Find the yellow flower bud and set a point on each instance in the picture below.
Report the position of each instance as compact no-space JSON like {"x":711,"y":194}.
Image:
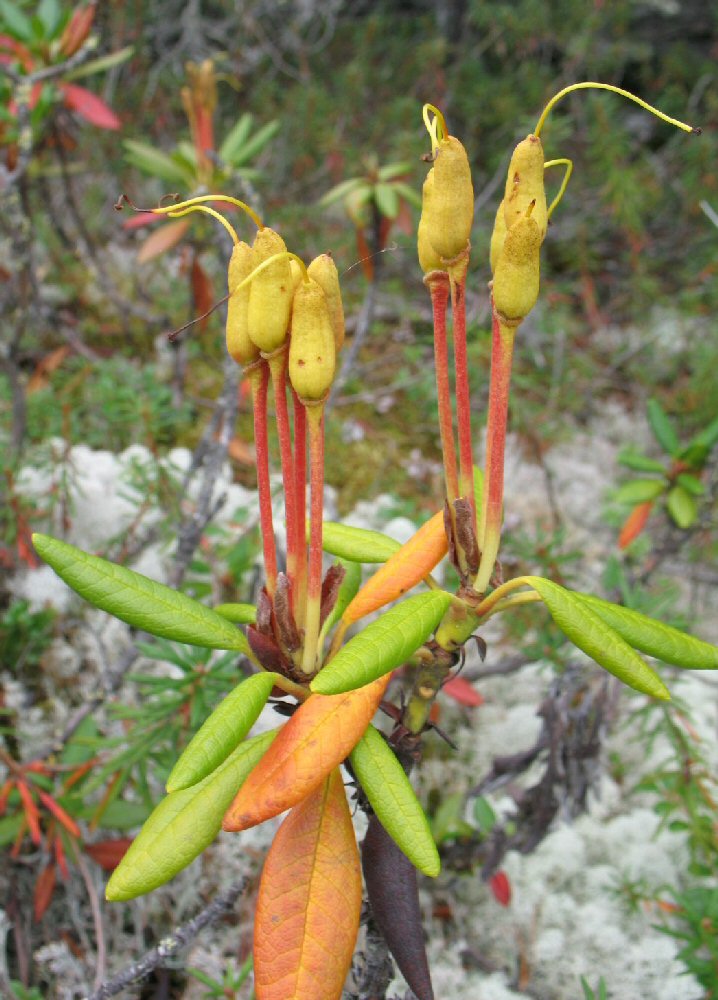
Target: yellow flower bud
{"x":429,"y":260}
{"x":239,"y":344}
{"x":311,"y":348}
{"x":516,"y":280}
{"x":296,"y":273}
{"x":525,"y":184}
{"x":497,"y":236}
{"x":323,"y":270}
{"x":270,"y":293}
{"x":451,"y":203}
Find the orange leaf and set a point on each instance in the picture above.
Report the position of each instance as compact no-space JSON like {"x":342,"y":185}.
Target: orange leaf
{"x":201,"y":291}
{"x":59,"y":813}
{"x":44,"y":888}
{"x":309,"y":901}
{"x":634,"y":523}
{"x":46,"y":366}
{"x":162,"y":239}
{"x":31,"y":812}
{"x":108,"y":853}
{"x":89,"y":106}
{"x":460,"y":690}
{"x":60,"y":856}
{"x":241,"y":452}
{"x":402,"y":571}
{"x":318,"y":737}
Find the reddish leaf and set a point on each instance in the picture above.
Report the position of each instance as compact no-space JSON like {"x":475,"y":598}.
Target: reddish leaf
{"x":241,"y":452}
{"x":89,"y":106}
{"x":634,"y":523}
{"x":77,"y":29}
{"x":318,"y":737}
{"x":394,"y":897}
{"x":309,"y":901}
{"x":501,"y":888}
{"x":4,"y":794}
{"x":162,"y":239}
{"x":44,"y":888}
{"x":201,"y":291}
{"x":460,"y":690}
{"x":108,"y":853}
{"x":59,"y":813}
{"x":60,"y":857}
{"x":141,"y":219}
{"x":31,"y":812}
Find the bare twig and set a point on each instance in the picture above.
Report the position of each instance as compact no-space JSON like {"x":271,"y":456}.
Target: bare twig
{"x":170,"y":945}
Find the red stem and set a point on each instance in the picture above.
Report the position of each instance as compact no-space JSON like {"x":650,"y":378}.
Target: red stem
{"x":278,"y":368}
{"x":259,"y":381}
{"x":502,"y":345}
{"x":463,"y":399}
{"x":299,"y":591}
{"x":439,"y":290}
{"x":315,"y":417}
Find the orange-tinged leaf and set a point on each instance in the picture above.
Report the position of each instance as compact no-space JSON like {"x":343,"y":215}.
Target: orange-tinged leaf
{"x":201,"y":291}
{"x":162,"y":239}
{"x":89,"y":106}
{"x":318,"y":737}
{"x":44,"y":888}
{"x":59,"y":813}
{"x":309,"y":901}
{"x":634,"y":523}
{"x":31,"y":811}
{"x":45,"y":367}
{"x":462,"y":691}
{"x":402,"y":570}
{"x":108,"y":853}
{"x":60,"y":856}
{"x":241,"y":452}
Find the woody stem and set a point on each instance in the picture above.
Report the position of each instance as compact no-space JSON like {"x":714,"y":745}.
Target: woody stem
{"x":259,"y":382}
{"x":502,"y":346}
{"x":315,"y":420}
{"x":278,"y":368}
{"x":299,"y":591}
{"x":439,"y":290}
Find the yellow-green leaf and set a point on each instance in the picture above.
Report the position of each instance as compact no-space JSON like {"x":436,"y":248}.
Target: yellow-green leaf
{"x":182,"y":825}
{"x":137,"y":600}
{"x":384,"y":644}
{"x":394,"y":801}
{"x":222,"y":732}
{"x":357,"y":544}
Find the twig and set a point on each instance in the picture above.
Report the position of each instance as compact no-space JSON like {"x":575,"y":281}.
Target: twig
{"x":96,"y":918}
{"x":169,"y":946}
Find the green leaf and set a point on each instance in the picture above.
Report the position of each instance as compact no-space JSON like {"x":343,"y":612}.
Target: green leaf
{"x":387,"y":200}
{"x":392,"y":170}
{"x":49,"y":13}
{"x":100,"y":64}
{"x":681,"y":507}
{"x":158,"y":164}
{"x":653,"y":637}
{"x":16,"y":23}
{"x":348,"y":589}
{"x":640,"y":463}
{"x":707,"y":438}
{"x":240,"y":614}
{"x":236,"y":137}
{"x":340,"y":191}
{"x":691,"y":484}
{"x":448,"y":823}
{"x":484,"y":814}
{"x":394,"y":801}
{"x":10,"y":828}
{"x":137,"y":600}
{"x":123,"y":815}
{"x":357,"y":544}
{"x":183,"y":824}
{"x":662,"y":428}
{"x":254,"y":146}
{"x":222,"y":732}
{"x":594,"y":636}
{"x":639,"y":490}
{"x":384,"y":644}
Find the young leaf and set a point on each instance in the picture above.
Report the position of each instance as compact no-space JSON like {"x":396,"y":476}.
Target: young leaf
{"x":681,"y":507}
{"x":403,"y":570}
{"x":653,"y":637}
{"x":137,"y":600}
{"x":384,"y":644}
{"x":318,"y":737}
{"x":394,"y":897}
{"x":309,"y":901}
{"x":394,"y":801}
{"x":349,"y":586}
{"x":640,"y":463}
{"x":240,"y":614}
{"x":222,"y":732}
{"x":662,"y":427}
{"x":639,"y":490}
{"x":590,"y":633}
{"x":182,"y":825}
{"x":357,"y":544}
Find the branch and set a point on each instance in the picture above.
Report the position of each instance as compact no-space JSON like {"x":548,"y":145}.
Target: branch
{"x":169,"y":946}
